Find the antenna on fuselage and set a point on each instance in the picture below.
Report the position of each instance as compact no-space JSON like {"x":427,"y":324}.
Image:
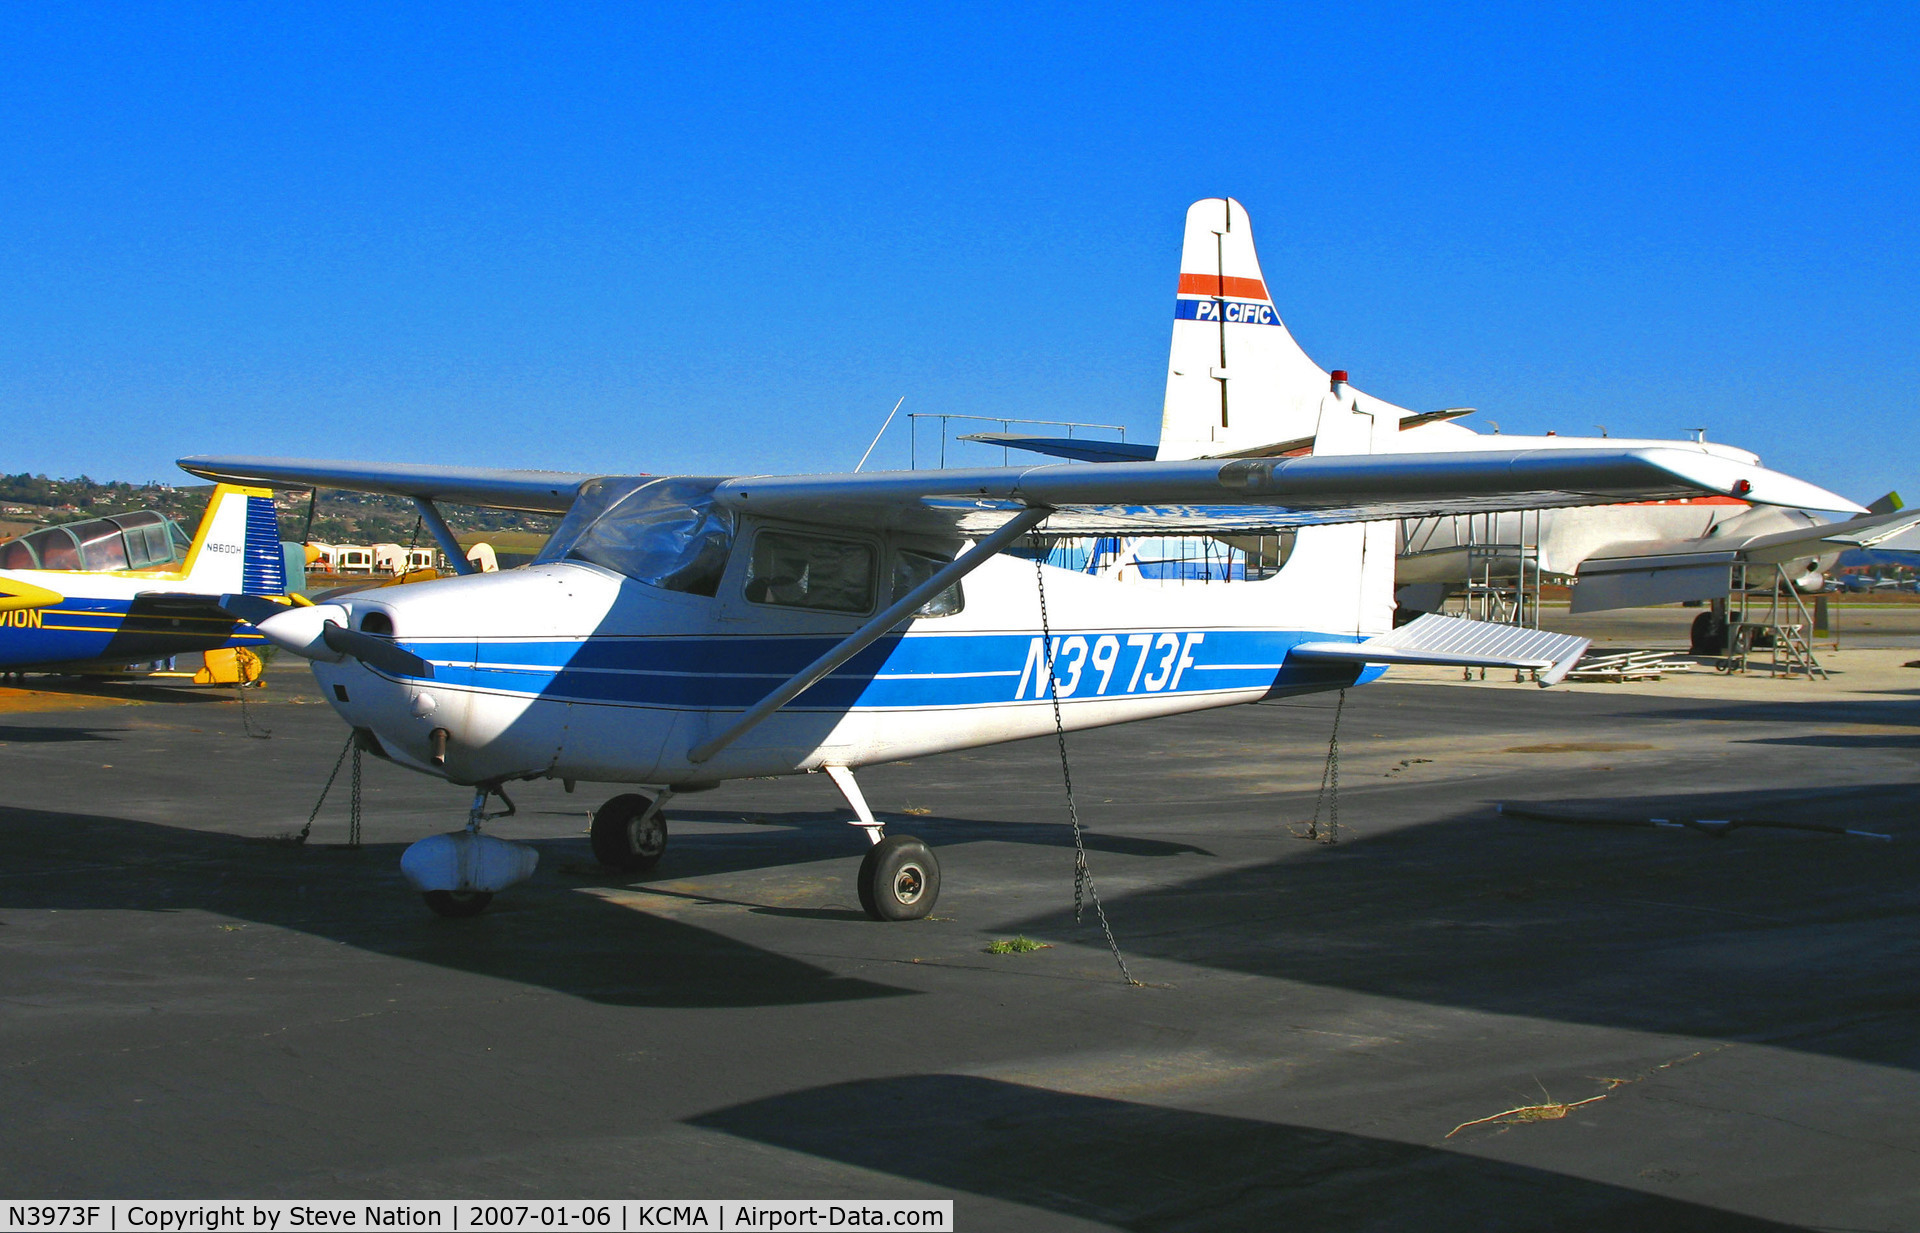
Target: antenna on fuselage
{"x":878,"y":435}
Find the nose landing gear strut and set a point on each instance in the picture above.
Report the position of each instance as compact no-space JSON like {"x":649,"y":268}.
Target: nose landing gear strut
{"x":459,"y":873}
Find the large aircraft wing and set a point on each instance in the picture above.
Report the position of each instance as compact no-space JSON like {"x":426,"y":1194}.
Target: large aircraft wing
{"x":1635,"y":575}
{"x":1250,"y":495}
{"x":534,"y":492}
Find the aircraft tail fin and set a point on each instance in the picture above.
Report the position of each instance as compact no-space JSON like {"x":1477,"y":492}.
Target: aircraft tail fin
{"x":236,"y":549}
{"x":1236,"y":379}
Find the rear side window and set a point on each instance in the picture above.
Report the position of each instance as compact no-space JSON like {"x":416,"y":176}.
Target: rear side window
{"x":808,"y":571}
{"x":911,"y":568}
{"x":152,"y":544}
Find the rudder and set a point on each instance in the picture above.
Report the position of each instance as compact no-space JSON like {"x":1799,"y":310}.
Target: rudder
{"x":236,"y":549}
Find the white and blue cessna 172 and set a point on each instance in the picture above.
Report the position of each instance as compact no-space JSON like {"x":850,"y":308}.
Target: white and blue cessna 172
{"x":679,"y":631}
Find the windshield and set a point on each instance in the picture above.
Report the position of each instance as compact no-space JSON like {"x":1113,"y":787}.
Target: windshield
{"x":666,"y":533}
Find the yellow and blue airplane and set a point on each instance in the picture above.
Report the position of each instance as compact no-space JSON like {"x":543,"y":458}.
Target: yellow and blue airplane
{"x":131,"y":589}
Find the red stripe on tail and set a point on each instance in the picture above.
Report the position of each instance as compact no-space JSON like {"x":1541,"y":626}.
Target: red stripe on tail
{"x":1215,"y":284}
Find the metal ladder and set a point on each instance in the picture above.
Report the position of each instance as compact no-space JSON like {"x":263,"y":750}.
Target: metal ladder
{"x":1787,"y":640}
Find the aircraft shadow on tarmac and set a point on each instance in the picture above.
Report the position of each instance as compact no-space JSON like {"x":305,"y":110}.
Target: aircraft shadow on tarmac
{"x":1147,"y":1167}
{"x":128,"y":690}
{"x":1802,"y":940}
{"x":543,"y":933}
{"x":1843,"y":740}
{"x":589,"y":948}
{"x":1894,"y":711}
{"x":825,"y":834}
{"x":27,"y":734}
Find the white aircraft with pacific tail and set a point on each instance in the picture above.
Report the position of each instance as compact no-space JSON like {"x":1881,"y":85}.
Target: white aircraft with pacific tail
{"x":1240,"y":386}
{"x":679,"y":631}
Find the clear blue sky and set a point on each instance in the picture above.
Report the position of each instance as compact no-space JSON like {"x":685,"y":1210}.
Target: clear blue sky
{"x":726,"y":239}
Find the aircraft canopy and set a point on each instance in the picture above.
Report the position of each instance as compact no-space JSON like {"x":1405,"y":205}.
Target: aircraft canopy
{"x":141,"y":540}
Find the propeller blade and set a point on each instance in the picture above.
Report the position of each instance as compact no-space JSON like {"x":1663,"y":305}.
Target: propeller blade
{"x":375,"y":652}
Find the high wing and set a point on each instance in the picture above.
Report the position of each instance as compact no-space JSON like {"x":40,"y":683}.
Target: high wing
{"x":1179,"y":496}
{"x":1211,"y":496}
{"x":533,"y":492}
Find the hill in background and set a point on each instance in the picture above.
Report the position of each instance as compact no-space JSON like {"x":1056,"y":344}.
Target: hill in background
{"x":31,"y":501}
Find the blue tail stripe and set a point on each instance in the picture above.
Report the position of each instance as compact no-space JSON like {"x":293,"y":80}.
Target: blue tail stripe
{"x":263,"y":569}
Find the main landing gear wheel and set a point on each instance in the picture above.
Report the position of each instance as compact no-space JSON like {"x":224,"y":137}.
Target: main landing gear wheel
{"x":1708,"y":635}
{"x":629,"y":834}
{"x":899,"y":879}
{"x":458,"y":903}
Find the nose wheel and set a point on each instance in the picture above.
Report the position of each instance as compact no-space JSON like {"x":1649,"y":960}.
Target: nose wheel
{"x":458,"y":903}
{"x":899,"y":879}
{"x":629,"y":833}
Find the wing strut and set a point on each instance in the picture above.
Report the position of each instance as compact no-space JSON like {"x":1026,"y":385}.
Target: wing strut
{"x":443,"y":536}
{"x":860,"y":639}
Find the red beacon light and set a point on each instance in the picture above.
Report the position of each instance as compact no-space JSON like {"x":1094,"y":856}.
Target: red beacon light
{"x":1741,"y":487}
{"x":1339,"y":376}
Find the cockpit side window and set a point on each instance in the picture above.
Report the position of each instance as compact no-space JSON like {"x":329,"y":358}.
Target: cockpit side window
{"x":810,"y":571}
{"x":911,"y":567}
{"x":158,"y":545}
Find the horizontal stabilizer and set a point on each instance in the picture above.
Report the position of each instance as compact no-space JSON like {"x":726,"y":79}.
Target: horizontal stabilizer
{"x":252,"y":609}
{"x":17,"y":596}
{"x":1443,"y":640}
{"x":1080,"y":449}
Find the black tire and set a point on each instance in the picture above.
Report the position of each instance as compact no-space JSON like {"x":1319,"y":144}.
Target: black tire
{"x":1709,"y":635}
{"x":458,"y":903}
{"x":899,"y":879}
{"x":625,"y":838}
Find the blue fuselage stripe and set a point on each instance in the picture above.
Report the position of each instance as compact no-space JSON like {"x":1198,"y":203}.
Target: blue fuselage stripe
{"x":899,"y":671}
{"x":78,"y":630}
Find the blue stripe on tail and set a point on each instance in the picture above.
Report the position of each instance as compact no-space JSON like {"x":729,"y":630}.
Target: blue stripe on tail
{"x":263,"y":571}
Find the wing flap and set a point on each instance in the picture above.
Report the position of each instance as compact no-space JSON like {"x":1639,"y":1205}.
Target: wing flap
{"x":1442,"y":640}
